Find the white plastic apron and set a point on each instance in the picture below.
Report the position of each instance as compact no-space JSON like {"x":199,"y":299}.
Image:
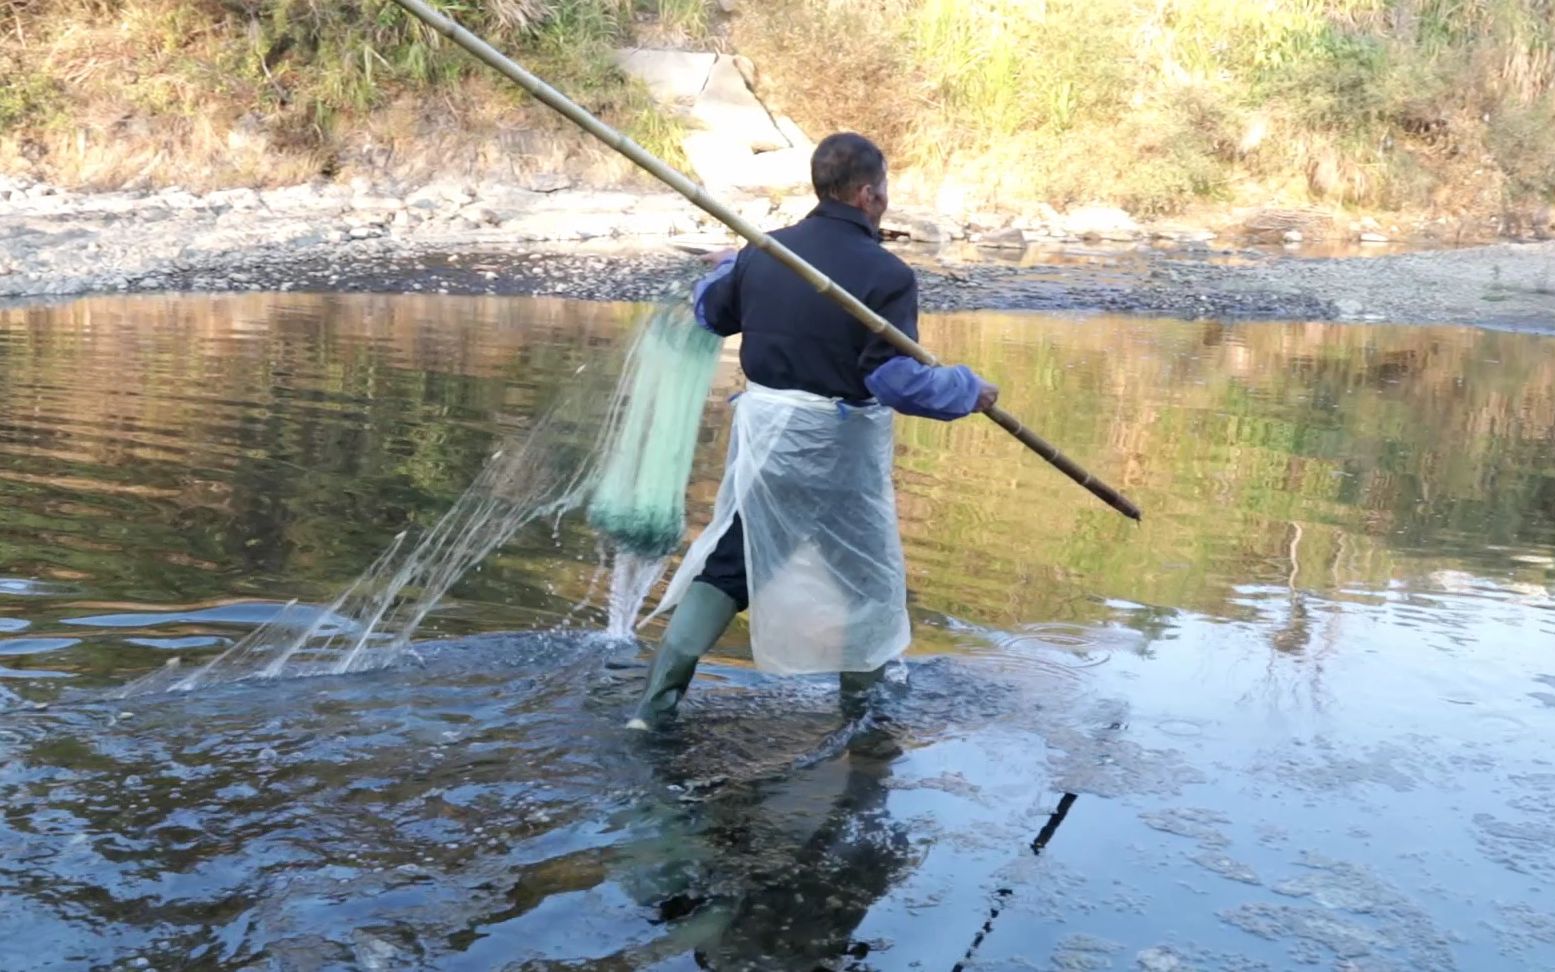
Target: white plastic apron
{"x":811,"y":481}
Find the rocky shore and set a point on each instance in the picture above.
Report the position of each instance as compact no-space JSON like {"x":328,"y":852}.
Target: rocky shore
{"x":557,"y":239}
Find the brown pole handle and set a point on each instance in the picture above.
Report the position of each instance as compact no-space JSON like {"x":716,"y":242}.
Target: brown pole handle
{"x":1065,"y":465}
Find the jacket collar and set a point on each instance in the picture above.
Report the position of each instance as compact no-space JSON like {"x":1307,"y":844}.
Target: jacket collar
{"x":831,"y":209}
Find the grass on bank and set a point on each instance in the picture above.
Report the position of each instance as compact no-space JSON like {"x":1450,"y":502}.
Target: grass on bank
{"x":1157,"y":105}
{"x":214,"y":92}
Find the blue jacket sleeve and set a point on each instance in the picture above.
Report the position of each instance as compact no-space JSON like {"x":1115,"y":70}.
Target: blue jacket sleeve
{"x":903,"y":384}
{"x":912,"y":388}
{"x":713,"y":299}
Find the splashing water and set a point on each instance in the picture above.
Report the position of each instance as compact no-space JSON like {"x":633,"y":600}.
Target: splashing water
{"x":528,"y":481}
{"x":542,"y":473}
{"x":630,"y":581}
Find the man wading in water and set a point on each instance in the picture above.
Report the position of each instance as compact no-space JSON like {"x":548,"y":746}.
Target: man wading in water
{"x":804,"y":531}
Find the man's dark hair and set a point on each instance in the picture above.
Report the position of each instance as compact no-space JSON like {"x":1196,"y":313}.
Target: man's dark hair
{"x":842,"y":163}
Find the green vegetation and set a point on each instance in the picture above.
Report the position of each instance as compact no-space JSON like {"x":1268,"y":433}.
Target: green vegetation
{"x":210,"y":92}
{"x":1445,"y":106}
{"x":1156,"y":104}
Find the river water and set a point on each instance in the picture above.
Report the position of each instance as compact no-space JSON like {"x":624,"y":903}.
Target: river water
{"x":1298,"y":718}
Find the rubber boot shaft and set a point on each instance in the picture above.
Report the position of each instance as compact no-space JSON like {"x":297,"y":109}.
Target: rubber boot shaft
{"x":856,"y":689}
{"x":698,"y":622}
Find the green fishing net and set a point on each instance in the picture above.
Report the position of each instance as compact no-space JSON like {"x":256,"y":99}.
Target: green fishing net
{"x":640,"y":497}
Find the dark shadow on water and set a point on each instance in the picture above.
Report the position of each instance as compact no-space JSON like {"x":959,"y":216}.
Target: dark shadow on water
{"x":770,"y":834}
{"x":808,"y":854}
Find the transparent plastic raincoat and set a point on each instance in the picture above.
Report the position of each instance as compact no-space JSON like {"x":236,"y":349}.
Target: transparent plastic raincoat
{"x":810,"y":479}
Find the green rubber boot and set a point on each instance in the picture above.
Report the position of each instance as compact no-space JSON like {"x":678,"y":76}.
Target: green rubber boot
{"x":694,"y":628}
{"x":855,"y":690}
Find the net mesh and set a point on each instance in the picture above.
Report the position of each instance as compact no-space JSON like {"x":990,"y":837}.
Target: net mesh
{"x":628,"y":461}
{"x":639,"y":501}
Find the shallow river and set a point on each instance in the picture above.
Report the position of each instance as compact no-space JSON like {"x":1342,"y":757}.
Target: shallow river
{"x":1301,"y":717}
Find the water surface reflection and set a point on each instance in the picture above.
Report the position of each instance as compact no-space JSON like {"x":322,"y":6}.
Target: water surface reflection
{"x":1303,"y":705}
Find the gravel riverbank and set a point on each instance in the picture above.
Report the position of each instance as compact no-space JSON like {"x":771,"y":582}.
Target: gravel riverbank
{"x":621,"y":246}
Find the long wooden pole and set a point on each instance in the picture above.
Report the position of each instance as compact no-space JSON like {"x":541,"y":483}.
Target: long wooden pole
{"x":489,"y":55}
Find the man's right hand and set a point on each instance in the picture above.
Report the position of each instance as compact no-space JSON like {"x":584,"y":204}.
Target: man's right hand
{"x":714,"y":259}
{"x":988,"y":397}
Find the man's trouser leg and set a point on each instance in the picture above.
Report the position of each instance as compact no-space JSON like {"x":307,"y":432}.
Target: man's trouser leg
{"x":711,"y":602}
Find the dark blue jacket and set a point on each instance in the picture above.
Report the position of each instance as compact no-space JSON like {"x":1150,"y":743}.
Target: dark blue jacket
{"x":795,"y":338}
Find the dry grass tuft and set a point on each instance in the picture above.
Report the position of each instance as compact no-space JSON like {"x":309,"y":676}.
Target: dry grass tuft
{"x":205,"y":93}
{"x":1164,"y":104}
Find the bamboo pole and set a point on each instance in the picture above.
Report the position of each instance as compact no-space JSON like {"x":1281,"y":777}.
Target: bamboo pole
{"x":504,"y":65}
